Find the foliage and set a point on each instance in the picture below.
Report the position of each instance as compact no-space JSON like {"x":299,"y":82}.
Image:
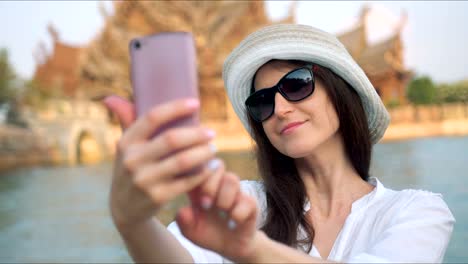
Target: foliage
{"x":393,"y":103}
{"x":454,"y":92}
{"x":7,"y":78}
{"x":14,"y":116}
{"x":33,"y":94}
{"x":421,"y":90}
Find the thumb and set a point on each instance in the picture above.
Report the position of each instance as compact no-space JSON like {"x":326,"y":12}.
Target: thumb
{"x":186,"y":220}
{"x":124,"y":109}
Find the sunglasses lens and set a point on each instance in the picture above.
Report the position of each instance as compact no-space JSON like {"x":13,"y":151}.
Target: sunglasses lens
{"x":261,"y":105}
{"x":297,"y":85}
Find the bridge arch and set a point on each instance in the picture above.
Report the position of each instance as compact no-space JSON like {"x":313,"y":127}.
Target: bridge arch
{"x":83,"y":146}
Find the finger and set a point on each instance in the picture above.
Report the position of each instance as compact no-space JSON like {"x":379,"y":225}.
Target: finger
{"x":244,"y":209}
{"x":186,"y":220}
{"x":165,"y":191}
{"x":169,"y":142}
{"x":160,"y":115}
{"x":124,"y":109}
{"x":208,"y":189}
{"x":181,"y":163}
{"x":228,"y":191}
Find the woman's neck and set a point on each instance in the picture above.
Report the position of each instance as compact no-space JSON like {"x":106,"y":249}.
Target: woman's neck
{"x":330,"y":179}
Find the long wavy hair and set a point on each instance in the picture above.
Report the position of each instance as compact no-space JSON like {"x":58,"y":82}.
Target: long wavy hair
{"x":285,"y":190}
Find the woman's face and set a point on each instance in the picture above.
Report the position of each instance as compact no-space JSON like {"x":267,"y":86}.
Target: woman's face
{"x":297,"y":129}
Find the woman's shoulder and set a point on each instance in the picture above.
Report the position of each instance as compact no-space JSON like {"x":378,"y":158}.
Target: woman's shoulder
{"x":425,"y":202}
{"x":402,"y":226}
{"x":407,"y":197}
{"x":414,"y":202}
{"x":406,"y":225}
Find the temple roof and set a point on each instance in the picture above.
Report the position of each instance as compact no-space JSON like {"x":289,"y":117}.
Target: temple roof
{"x":354,"y":40}
{"x":60,"y":68}
{"x":376,"y":59}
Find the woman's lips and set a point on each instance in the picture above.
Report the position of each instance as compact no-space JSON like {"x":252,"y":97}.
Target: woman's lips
{"x":289,"y":128}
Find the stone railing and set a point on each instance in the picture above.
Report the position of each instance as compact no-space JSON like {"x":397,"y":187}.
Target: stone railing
{"x":55,"y":110}
{"x":428,"y":121}
{"x":430,"y":113}
{"x":20,"y":147}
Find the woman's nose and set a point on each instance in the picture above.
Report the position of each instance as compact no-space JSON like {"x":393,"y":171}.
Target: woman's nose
{"x":282,"y":106}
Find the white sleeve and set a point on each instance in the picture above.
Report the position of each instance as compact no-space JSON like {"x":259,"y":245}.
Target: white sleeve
{"x":256,"y":190}
{"x":202,"y":255}
{"x":420,"y":233}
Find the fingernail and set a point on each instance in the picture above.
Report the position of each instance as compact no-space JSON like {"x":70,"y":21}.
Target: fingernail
{"x":210,"y":133}
{"x":231,"y":224}
{"x":222,"y":214}
{"x":213,"y":164}
{"x":192,"y":103}
{"x":213,"y":148}
{"x":206,"y":202}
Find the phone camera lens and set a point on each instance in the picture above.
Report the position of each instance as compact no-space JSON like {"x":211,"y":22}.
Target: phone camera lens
{"x":137,"y":44}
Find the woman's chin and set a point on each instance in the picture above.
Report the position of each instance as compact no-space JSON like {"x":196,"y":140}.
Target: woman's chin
{"x":296,"y":152}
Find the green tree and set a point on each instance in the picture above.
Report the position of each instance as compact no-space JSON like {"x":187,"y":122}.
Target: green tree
{"x":9,"y":84}
{"x":453,"y":92}
{"x":421,"y":90}
{"x":32,"y":94}
{"x":7,"y":77}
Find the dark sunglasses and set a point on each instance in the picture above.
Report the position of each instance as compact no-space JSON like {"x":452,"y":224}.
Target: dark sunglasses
{"x":294,"y":86}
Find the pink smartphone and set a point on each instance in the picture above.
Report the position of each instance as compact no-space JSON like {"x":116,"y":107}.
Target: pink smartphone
{"x":163,"y":68}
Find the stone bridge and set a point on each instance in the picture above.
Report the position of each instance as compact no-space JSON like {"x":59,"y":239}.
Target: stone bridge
{"x":77,"y":131}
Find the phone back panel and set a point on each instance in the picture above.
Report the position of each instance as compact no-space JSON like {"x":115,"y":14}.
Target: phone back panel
{"x":163,"y":68}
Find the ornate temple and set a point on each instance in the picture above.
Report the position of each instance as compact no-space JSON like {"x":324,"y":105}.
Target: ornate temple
{"x":59,"y":71}
{"x":382,"y":62}
{"x":102,"y":67}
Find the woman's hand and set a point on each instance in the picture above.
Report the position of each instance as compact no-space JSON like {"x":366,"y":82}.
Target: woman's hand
{"x":221,"y":217}
{"x":148,"y":173}
{"x":225,"y":221}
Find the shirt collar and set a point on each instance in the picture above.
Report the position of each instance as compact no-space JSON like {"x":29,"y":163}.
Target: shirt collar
{"x":364,"y":201}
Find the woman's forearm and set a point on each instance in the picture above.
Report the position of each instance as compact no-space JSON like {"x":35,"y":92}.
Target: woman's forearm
{"x":270,"y":251}
{"x":151,"y":242}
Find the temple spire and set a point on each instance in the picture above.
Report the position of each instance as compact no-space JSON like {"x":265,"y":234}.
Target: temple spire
{"x":53,"y":32}
{"x":403,"y":21}
{"x":364,"y":14}
{"x":292,"y":12}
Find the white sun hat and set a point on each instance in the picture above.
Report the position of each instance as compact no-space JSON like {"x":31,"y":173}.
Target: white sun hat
{"x":305,"y":43}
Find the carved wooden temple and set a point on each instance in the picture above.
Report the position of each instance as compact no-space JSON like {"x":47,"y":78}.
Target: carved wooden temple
{"x":101,"y":67}
{"x":59,"y":71}
{"x":382,"y":62}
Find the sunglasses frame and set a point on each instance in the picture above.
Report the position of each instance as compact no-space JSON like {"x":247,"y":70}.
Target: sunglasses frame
{"x":276,"y":89}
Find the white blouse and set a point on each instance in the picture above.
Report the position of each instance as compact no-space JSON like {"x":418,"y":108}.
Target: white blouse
{"x":383,"y":226}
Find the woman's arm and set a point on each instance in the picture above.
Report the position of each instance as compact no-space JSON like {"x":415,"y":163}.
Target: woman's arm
{"x":241,"y":242}
{"x":145,"y":176}
{"x":270,"y":251}
{"x":150,"y":241}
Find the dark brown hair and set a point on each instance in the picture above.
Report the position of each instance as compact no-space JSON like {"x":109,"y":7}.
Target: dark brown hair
{"x":285,"y":190}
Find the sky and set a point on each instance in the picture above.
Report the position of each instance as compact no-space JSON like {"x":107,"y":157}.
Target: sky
{"x":435,"y":36}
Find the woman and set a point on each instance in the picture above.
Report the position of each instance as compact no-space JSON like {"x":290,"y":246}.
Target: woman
{"x":314,"y":116}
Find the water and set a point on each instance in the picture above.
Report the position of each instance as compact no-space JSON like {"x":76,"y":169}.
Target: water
{"x":60,"y":214}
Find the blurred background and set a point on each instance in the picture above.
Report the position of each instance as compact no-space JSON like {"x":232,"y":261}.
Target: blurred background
{"x":57,"y":141}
